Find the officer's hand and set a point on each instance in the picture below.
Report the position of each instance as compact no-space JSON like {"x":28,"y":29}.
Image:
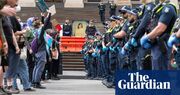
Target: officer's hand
{"x":134,"y":42}
{"x":145,"y":42}
{"x":114,"y":40}
{"x":8,"y":11}
{"x":104,"y":49}
{"x":111,"y":48}
{"x":123,"y":51}
{"x":173,"y":40}
{"x":94,"y":54}
{"x":127,"y":46}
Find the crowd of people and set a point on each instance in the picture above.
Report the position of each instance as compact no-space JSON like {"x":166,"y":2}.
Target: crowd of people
{"x":144,"y":37}
{"x":29,"y":50}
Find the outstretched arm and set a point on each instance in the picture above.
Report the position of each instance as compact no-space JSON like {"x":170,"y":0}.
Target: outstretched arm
{"x":46,"y":22}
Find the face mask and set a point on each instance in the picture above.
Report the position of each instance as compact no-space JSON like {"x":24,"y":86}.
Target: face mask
{"x":18,"y":8}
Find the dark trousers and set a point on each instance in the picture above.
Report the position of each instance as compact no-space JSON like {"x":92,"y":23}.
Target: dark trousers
{"x":113,"y":60}
{"x":105,"y":63}
{"x":54,"y":67}
{"x":112,"y":12}
{"x":40,"y":62}
{"x":102,"y":16}
{"x":30,"y":61}
{"x":160,"y":60}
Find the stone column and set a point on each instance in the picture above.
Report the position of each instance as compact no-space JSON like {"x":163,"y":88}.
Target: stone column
{"x":176,"y":3}
{"x":123,"y":2}
{"x":27,"y":3}
{"x":74,"y":4}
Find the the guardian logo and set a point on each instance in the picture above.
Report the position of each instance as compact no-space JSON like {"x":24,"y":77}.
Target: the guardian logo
{"x":138,"y":81}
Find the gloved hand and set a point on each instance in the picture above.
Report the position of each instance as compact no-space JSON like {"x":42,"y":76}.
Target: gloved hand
{"x":104,"y":49}
{"x":127,"y":46}
{"x":145,"y":42}
{"x":111,"y":49}
{"x":94,"y":54}
{"x":134,"y":42}
{"x":123,"y":51}
{"x":173,"y":40}
{"x":114,"y":39}
{"x":118,"y":48}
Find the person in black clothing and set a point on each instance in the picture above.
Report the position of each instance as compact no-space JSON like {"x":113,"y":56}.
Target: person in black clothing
{"x":91,"y":29}
{"x":13,"y":52}
{"x":55,"y":56}
{"x":102,"y":9}
{"x":67,"y":28}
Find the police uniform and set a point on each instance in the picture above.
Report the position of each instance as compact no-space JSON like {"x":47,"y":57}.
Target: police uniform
{"x":98,"y":62}
{"x":131,"y":51}
{"x":112,"y":54}
{"x":140,"y":31}
{"x":89,"y":61}
{"x":102,"y":9}
{"x":167,"y":15}
{"x":83,"y":51}
{"x":112,"y":10}
{"x":124,"y":27}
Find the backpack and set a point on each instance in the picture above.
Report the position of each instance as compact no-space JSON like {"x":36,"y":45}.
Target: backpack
{"x":34,"y":44}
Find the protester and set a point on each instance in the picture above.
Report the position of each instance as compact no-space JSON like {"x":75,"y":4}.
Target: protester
{"x":7,"y":11}
{"x":41,"y":53}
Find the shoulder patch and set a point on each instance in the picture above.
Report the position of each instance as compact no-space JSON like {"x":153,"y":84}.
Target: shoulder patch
{"x":166,"y":10}
{"x":149,"y":8}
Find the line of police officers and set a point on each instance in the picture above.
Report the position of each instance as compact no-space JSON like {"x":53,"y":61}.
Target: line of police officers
{"x":139,"y":39}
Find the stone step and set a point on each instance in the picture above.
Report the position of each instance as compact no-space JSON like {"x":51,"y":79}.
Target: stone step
{"x":72,"y":60}
{"x":73,"y":69}
{"x":73,"y":66}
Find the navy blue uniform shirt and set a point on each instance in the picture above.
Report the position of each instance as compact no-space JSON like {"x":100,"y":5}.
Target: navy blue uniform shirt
{"x":168,"y":17}
{"x":141,"y":29}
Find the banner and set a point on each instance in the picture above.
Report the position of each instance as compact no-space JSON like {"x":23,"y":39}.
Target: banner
{"x":52,"y":9}
{"x":147,"y":83}
{"x":41,"y":4}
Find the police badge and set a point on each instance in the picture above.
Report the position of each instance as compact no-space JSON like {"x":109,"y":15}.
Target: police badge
{"x":166,"y":10}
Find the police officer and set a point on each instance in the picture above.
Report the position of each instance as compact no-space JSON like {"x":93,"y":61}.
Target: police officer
{"x":174,"y":39}
{"x":116,"y":22}
{"x":122,"y":33}
{"x":124,"y":11}
{"x":164,"y":17}
{"x":102,"y":9}
{"x":145,"y":16}
{"x":128,"y":49}
{"x":97,"y":55}
{"x":106,"y":57}
{"x":174,"y":42}
{"x":112,"y":9}
{"x":91,"y":29}
{"x":90,"y":59}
